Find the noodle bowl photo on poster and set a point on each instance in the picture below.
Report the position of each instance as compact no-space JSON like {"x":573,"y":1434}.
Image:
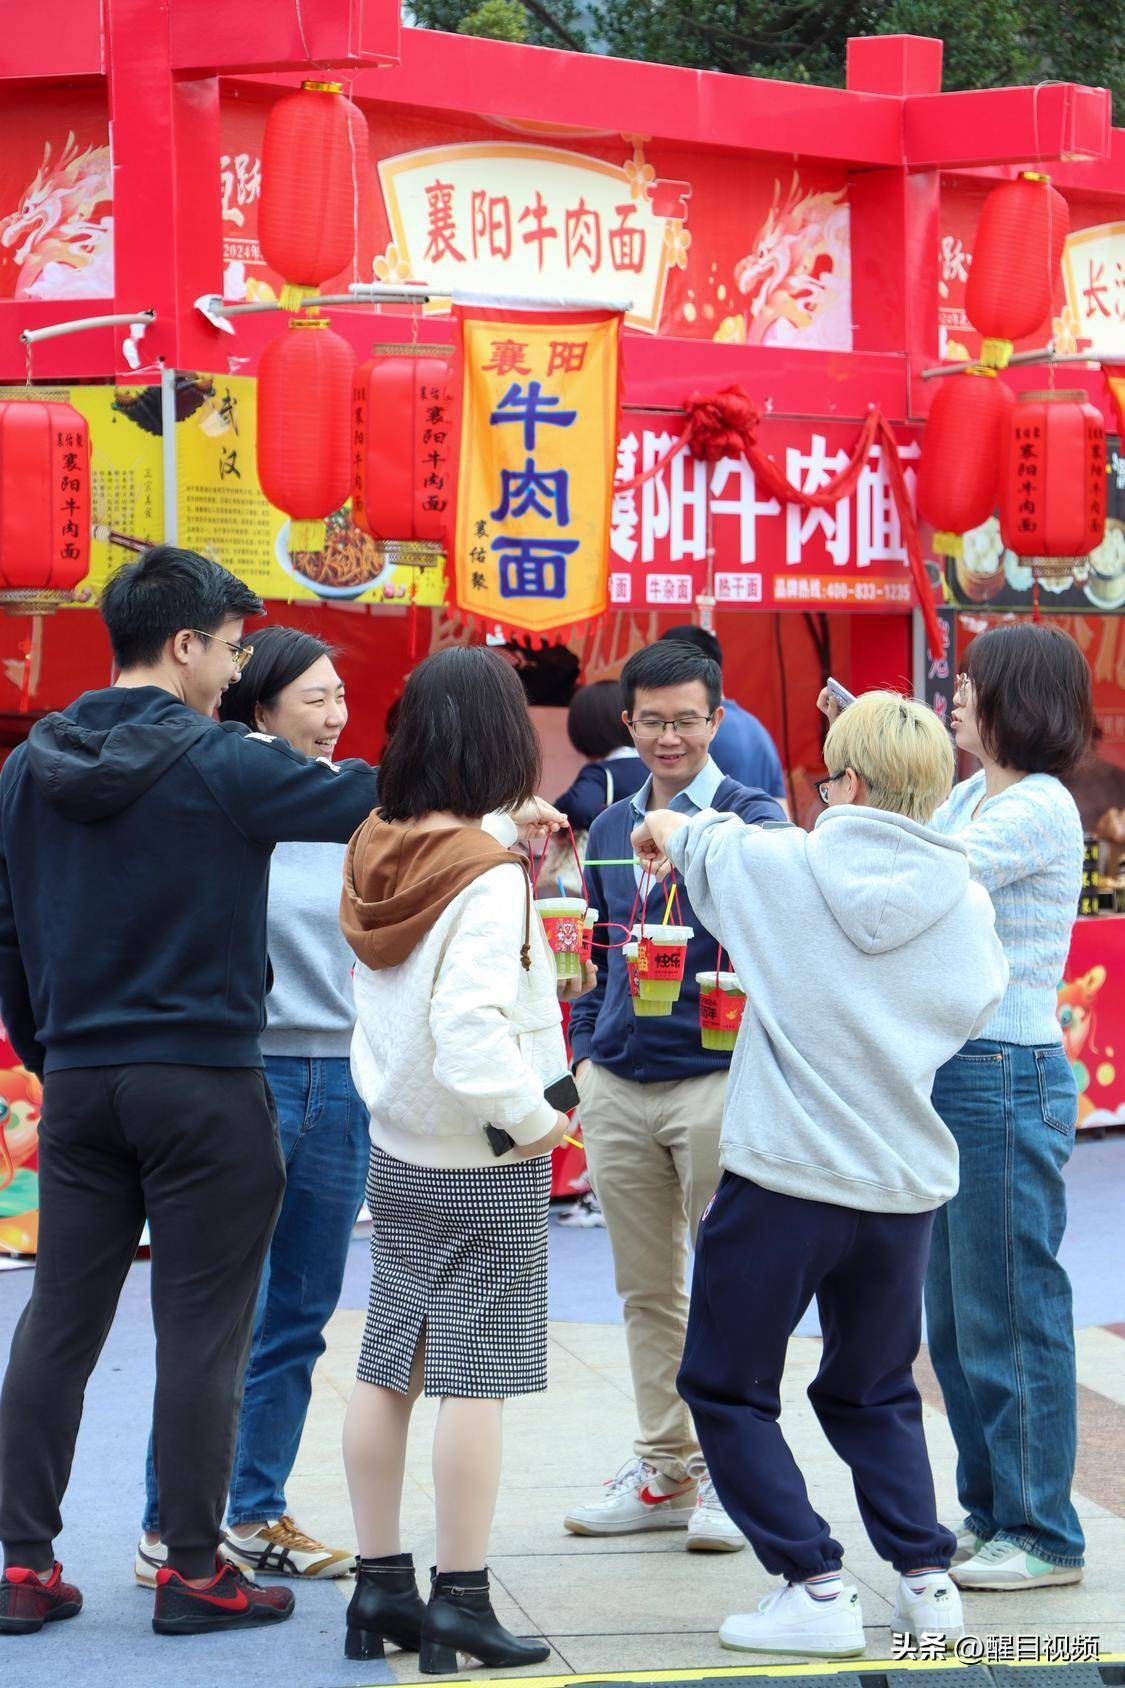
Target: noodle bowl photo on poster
{"x":351,"y":562}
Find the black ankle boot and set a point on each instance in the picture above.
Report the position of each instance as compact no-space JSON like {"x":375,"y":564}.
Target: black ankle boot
{"x":386,"y":1606}
{"x":460,"y":1619}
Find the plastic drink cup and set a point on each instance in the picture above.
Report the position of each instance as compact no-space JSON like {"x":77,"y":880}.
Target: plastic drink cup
{"x":661,"y":959}
{"x":587,"y":951}
{"x":644,"y":1008}
{"x":722,"y":1002}
{"x":562,"y":919}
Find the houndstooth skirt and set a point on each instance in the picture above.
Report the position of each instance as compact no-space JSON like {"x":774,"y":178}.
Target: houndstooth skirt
{"x":461,"y":1253}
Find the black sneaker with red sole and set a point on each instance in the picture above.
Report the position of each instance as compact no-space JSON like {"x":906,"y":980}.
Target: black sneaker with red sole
{"x":27,"y":1603}
{"x":228,"y":1601}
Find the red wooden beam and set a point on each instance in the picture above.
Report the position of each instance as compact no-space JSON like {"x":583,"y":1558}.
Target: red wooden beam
{"x":991,"y":126}
{"x":341,"y":35}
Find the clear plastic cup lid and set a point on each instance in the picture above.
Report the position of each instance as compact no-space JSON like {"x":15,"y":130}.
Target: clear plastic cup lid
{"x":665,"y":934}
{"x":561,"y":905}
{"x":719,"y":981}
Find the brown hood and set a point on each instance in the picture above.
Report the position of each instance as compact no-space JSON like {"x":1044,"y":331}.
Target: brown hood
{"x":398,"y":881}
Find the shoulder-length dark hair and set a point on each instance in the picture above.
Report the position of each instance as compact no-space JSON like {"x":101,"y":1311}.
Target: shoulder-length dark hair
{"x":593,"y":722}
{"x":463,"y":742}
{"x":281,"y":655}
{"x":1033,"y":697}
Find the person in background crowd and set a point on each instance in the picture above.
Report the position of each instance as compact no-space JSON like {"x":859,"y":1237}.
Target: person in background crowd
{"x":999,"y":1312}
{"x":652,"y":1100}
{"x":613,"y":769}
{"x":135,"y":841}
{"x":457,"y":1044}
{"x":742,"y":749}
{"x":290,"y":688}
{"x":834,"y":1161}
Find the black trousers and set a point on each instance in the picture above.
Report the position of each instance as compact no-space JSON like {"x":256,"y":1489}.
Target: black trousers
{"x":194,"y":1150}
{"x":759,"y":1260}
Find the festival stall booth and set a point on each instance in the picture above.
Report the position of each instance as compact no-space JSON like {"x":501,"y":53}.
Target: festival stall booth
{"x":228,"y":246}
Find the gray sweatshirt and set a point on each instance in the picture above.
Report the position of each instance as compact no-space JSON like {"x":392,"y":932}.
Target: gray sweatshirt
{"x":310,"y":1011}
{"x":868,"y":958}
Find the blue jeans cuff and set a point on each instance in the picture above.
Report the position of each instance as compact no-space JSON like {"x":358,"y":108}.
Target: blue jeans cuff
{"x":1029,"y":1543}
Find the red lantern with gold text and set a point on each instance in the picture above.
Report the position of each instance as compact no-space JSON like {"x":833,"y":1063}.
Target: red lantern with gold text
{"x":304,"y":440}
{"x":1053,"y":485}
{"x":959,"y":475}
{"x":44,"y":503}
{"x":314,"y":160}
{"x":1016,"y":257}
{"x":402,"y":468}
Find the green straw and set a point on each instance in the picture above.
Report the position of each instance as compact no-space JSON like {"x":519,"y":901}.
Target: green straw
{"x":612,"y":861}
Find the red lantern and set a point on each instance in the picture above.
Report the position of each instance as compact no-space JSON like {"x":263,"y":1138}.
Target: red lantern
{"x":402,"y":476}
{"x":959,"y":475}
{"x":304,"y":437}
{"x":1016,"y":257}
{"x":314,"y":160}
{"x":44,"y":501}
{"x":1053,"y":484}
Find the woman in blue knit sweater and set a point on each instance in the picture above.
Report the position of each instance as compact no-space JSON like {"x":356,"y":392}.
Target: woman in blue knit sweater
{"x":998,"y":1301}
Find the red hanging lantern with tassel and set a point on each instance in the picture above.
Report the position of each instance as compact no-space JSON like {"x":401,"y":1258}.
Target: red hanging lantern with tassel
{"x":959,"y":475}
{"x":304,"y":437}
{"x":44,"y":503}
{"x":1016,"y":258}
{"x":314,"y":166}
{"x":1053,"y":483}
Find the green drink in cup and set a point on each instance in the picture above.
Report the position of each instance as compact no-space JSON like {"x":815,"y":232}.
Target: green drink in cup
{"x":722,"y":1002}
{"x":645,"y":1008}
{"x":562,"y":919}
{"x":661,"y":958}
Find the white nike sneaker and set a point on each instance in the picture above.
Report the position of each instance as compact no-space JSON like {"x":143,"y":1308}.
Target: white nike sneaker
{"x":639,"y":1498}
{"x":280,"y":1548}
{"x":710,"y":1530}
{"x":929,"y":1606}
{"x":153,"y":1556}
{"x":1000,"y":1566}
{"x":791,"y":1621}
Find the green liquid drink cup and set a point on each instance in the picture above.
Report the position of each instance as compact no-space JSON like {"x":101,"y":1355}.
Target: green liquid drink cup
{"x":660,"y":971}
{"x":562,"y":919}
{"x":644,"y":1008}
{"x":722,"y":1002}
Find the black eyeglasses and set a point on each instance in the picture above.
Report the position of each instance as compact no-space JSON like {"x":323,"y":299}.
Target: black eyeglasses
{"x":240,"y":654}
{"x":647,"y":728}
{"x":822,"y":788}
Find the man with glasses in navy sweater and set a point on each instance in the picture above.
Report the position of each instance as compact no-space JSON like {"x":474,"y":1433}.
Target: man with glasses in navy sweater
{"x":652,"y":1098}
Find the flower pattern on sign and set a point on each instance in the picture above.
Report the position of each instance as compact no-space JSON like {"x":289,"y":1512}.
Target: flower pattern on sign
{"x":391,"y":267}
{"x":678,"y":241}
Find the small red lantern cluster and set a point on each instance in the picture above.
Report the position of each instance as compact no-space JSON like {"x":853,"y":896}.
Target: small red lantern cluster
{"x":1016,"y":257}
{"x":402,"y":434}
{"x":960,"y":467}
{"x":44,"y":503}
{"x":1053,"y":488}
{"x":314,"y":168}
{"x":304,"y":436}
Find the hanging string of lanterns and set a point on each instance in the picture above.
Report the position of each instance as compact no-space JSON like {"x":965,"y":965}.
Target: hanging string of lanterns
{"x":314,"y":165}
{"x":964,"y":446}
{"x":1016,"y":257}
{"x":401,"y":422}
{"x":44,"y":504}
{"x":304,"y":426}
{"x":1053,"y":486}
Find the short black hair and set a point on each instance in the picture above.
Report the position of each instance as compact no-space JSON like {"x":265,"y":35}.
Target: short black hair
{"x":690,"y":634}
{"x":670,"y":662}
{"x":146,"y":603}
{"x":593,"y":722}
{"x":1033,"y":696}
{"x":464,"y":741}
{"x":281,"y":655}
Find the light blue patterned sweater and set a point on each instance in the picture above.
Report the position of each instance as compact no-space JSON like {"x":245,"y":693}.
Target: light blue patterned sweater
{"x":1025,"y":848}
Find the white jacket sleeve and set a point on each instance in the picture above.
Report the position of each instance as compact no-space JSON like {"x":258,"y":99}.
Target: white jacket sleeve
{"x":475,"y":992}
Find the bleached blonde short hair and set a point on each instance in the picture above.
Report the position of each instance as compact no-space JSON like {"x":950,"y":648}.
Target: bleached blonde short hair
{"x":900,"y":750}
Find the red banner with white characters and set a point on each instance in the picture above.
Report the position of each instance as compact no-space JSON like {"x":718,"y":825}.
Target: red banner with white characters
{"x":701,"y":246}
{"x":768,"y":555}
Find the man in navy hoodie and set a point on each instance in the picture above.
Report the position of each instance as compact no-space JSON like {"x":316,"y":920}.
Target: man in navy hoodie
{"x":135,"y":842}
{"x":652,"y":1098}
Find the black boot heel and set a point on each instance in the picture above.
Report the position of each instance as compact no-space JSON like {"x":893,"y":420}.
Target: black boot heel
{"x":362,"y":1643}
{"x":434,"y":1659}
{"x":386,"y":1606}
{"x":460,"y":1619}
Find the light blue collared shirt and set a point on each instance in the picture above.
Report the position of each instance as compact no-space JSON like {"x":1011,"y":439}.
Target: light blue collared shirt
{"x":692,"y":800}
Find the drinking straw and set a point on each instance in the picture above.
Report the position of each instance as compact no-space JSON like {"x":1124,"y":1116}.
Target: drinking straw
{"x":561,"y":886}
{"x":574,"y":1142}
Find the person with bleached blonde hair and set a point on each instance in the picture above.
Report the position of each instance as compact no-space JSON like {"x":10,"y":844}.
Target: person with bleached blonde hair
{"x":868,"y":957}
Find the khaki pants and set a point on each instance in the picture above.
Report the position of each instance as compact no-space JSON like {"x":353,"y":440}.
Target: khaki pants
{"x":653,"y":1152}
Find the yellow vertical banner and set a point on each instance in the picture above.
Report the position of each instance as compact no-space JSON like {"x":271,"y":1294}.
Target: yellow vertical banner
{"x":536,"y":455}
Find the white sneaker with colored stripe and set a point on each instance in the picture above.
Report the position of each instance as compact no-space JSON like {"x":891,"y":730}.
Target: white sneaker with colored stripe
{"x":152,"y":1556}
{"x":638,"y":1498}
{"x":280,"y":1548}
{"x":790,"y":1620}
{"x":710,"y":1530}
{"x":1000,"y":1566}
{"x":928,"y":1605}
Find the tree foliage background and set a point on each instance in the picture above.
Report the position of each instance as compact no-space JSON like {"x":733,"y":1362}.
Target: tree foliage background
{"x":988,"y":43}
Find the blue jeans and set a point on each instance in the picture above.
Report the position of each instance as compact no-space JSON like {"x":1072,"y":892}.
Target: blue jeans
{"x":999,"y":1313}
{"x":324,"y":1138}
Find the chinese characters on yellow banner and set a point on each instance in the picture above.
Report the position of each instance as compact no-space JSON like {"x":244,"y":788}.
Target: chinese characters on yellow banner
{"x":536,"y":453}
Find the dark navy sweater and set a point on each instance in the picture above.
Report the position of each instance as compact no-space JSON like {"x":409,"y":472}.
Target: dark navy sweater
{"x":603,"y":1027}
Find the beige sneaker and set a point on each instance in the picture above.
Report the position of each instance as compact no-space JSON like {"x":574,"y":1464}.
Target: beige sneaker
{"x":153,"y":1556}
{"x":282,"y":1549}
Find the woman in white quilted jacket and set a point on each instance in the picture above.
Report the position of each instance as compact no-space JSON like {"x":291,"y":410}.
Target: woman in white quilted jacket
{"x":458,"y":1038}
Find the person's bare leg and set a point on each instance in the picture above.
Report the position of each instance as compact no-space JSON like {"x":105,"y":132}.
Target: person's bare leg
{"x":467,"y":1448}
{"x":376,"y":1427}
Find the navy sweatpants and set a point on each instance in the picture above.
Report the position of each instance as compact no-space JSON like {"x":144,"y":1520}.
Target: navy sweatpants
{"x":760,"y":1259}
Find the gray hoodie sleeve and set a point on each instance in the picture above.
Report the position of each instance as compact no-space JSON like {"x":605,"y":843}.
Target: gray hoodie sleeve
{"x":703,"y":851}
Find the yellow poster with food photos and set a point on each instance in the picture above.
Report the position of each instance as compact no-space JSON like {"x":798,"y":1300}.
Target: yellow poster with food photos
{"x":224,"y":514}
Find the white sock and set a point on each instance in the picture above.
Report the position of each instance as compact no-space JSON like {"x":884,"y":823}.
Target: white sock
{"x":826,"y":1586}
{"x":919,"y":1581}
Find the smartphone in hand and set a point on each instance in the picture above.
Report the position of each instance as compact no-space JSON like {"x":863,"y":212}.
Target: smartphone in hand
{"x":840,"y":694}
